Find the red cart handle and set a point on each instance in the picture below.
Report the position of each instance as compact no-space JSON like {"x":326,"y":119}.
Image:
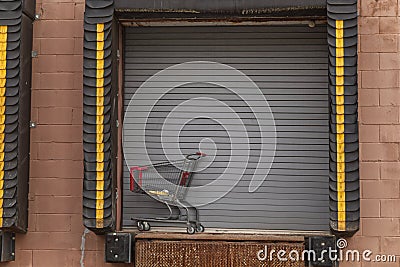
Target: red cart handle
{"x":132,"y":176}
{"x":195,"y":156}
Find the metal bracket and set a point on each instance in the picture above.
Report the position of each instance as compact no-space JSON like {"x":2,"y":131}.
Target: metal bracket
{"x":119,"y":247}
{"x":32,"y":124}
{"x":7,"y":249}
{"x":34,"y":54}
{"x":324,"y":247}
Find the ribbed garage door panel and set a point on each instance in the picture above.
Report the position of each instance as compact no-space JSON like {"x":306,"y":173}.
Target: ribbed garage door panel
{"x":289,"y":64}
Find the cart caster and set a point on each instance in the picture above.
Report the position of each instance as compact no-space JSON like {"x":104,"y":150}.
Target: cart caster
{"x":200,"y":228}
{"x":143,"y":226}
{"x":147,"y":226}
{"x":190,"y":229}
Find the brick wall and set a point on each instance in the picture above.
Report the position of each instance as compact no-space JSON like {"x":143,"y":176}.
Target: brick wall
{"x":55,"y":198}
{"x":55,"y":217}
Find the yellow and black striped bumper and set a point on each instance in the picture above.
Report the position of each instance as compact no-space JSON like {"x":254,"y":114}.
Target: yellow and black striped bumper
{"x":344,"y":163}
{"x":98,"y":130}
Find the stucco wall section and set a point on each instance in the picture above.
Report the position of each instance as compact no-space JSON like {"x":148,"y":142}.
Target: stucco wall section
{"x":55,"y":212}
{"x":55,"y":198}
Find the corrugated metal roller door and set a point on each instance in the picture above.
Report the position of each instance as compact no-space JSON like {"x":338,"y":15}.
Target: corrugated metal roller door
{"x":289,"y":65}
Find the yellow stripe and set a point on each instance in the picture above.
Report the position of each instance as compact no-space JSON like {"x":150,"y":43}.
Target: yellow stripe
{"x":100,"y":73}
{"x":3,"y":81}
{"x":100,"y":204}
{"x":100,"y":185}
{"x":340,"y":147}
{"x":100,"y":157}
{"x":100,"y":127}
{"x":100,"y":27}
{"x":100,"y":54}
{"x":100,"y":64}
{"x":100,"y":176}
{"x":100,"y":46}
{"x":100,"y":194}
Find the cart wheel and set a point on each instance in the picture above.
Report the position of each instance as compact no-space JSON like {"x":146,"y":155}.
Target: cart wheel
{"x":191,"y":229}
{"x":200,"y":228}
{"x":140,"y":226}
{"x":146,"y":226}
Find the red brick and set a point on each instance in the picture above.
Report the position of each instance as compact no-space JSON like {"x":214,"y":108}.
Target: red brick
{"x":368,"y":97}
{"x":59,"y":28}
{"x":369,"y":25}
{"x":55,"y":115}
{"x":379,"y":115}
{"x":78,"y":46}
{"x":77,"y":116}
{"x":34,"y":150}
{"x":32,"y":222}
{"x":56,"y":169}
{"x":389,"y":25}
{"x":368,"y":61}
{"x":36,"y":43}
{"x":372,"y":262}
{"x":50,"y":241}
{"x":364,"y":242}
{"x":58,"y":98}
{"x":69,"y":63}
{"x":380,"y":79}
{"x":369,"y":43}
{"x":380,"y":227}
{"x":54,"y":81}
{"x":45,"y":63}
{"x":53,"y":223}
{"x":379,"y":8}
{"x":34,"y":114}
{"x":58,"y":11}
{"x":350,"y":264}
{"x":388,"y":42}
{"x":59,"y":258}
{"x":369,"y":133}
{"x":79,"y":10}
{"x":23,"y":258}
{"x":370,"y":208}
{"x":384,"y":189}
{"x":51,"y":151}
{"x":378,"y":43}
{"x":55,"y":187}
{"x":35,"y":81}
{"x":391,"y":245}
{"x":57,"y":205}
{"x":379,"y":152}
{"x":389,"y":97}
{"x":390,"y":170}
{"x":389,"y":61}
{"x":76,"y":223}
{"x":389,"y":133}
{"x":57,"y":46}
{"x":78,"y":81}
{"x":390,"y":208}
{"x":57,"y":133}
{"x":369,"y":171}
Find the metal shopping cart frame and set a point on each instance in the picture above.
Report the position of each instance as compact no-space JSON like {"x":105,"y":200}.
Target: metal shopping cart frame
{"x":170,"y":190}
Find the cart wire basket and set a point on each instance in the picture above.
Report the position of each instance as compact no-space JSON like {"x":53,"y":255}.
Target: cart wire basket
{"x":168,"y":182}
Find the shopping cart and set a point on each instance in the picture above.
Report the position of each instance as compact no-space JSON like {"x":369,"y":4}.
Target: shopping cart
{"x":168,"y":183}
